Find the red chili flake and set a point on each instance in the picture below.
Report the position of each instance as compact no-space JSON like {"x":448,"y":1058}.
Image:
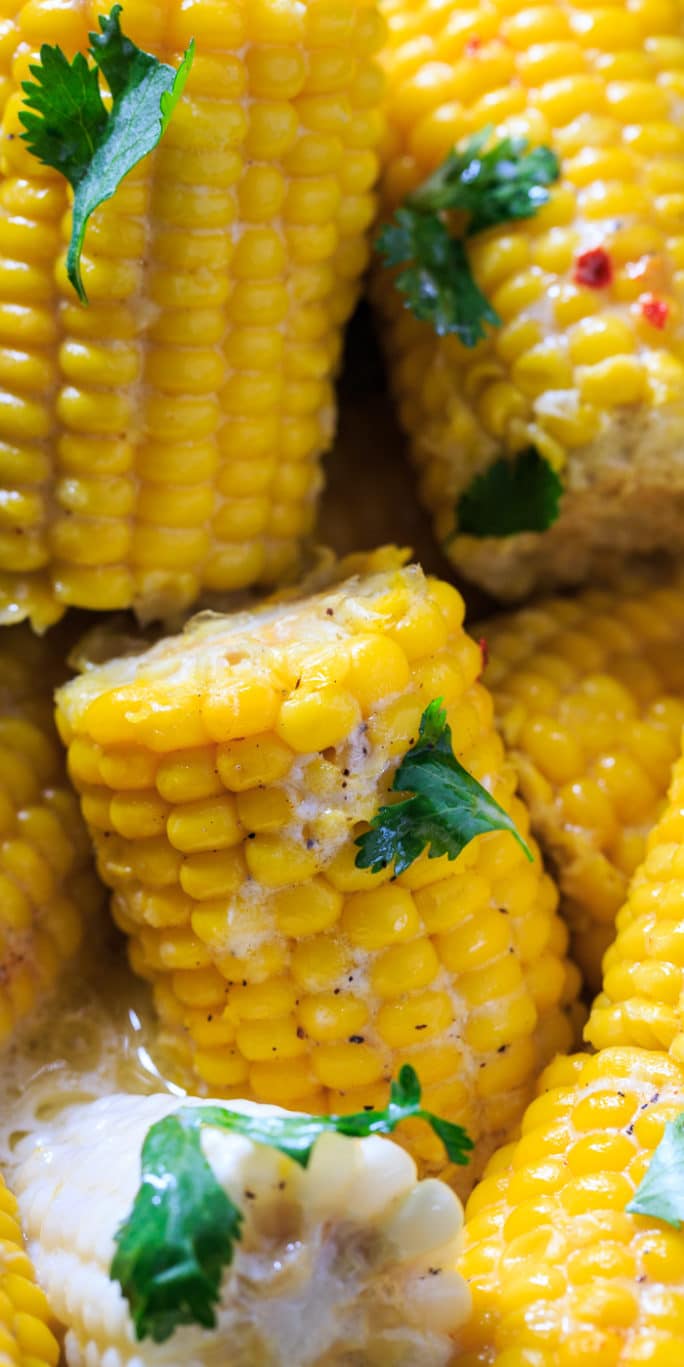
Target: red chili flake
{"x":484,"y":650}
{"x":654,"y":310}
{"x":594,"y":268}
{"x":472,"y":46}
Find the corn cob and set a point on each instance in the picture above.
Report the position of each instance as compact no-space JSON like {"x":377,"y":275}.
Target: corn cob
{"x":585,"y":366}
{"x":25,"y":1338}
{"x":561,"y":1274}
{"x":166,"y":439}
{"x":46,"y":887}
{"x":224,"y":776}
{"x":336,"y":1262}
{"x":641,"y":1002}
{"x":589,"y":695}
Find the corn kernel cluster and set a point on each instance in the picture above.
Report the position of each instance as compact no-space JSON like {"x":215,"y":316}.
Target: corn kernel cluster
{"x":561,"y":1274}
{"x":224,"y":776}
{"x":166,"y":439}
{"x":643,"y":979}
{"x":591,"y":377}
{"x":25,"y":1339}
{"x":46,"y":888}
{"x":589,"y":694}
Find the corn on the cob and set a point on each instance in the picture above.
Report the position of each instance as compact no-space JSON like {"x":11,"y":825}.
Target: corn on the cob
{"x":592,"y":377}
{"x":166,"y":439}
{"x":643,"y":973}
{"x":561,"y":1274}
{"x":224,"y":776}
{"x":25,"y":1338}
{"x":589,"y":694}
{"x":348,"y":1259}
{"x":46,"y":887}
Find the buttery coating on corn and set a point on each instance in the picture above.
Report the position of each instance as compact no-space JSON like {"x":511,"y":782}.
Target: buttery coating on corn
{"x":561,"y":1275}
{"x":643,"y":978}
{"x":46,"y":886}
{"x":224,"y":776}
{"x":589,"y":696}
{"x":25,"y":1338}
{"x":165,"y":440}
{"x":350,"y":1259}
{"x":592,"y":377}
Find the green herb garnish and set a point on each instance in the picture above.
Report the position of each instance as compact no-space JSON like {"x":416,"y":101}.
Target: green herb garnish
{"x":661,"y":1191}
{"x":68,"y":126}
{"x":486,"y":187}
{"x":447,"y":809}
{"x":517,"y":494}
{"x":182,"y":1229}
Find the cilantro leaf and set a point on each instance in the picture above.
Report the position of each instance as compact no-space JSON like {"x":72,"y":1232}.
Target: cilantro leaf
{"x":661,"y":1190}
{"x":439,"y":284}
{"x":485,"y":187}
{"x":518,"y":494}
{"x":67,"y":126}
{"x":447,"y":809}
{"x":181,"y":1231}
{"x":178,"y":1237}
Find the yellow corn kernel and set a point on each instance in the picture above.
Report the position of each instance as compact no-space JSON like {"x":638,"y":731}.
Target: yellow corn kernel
{"x":281,"y":967}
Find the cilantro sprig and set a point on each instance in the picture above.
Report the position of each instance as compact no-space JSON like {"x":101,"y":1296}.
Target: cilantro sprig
{"x":516,"y":494}
{"x":182,"y":1229}
{"x":485,"y":186}
{"x":660,"y":1193}
{"x":446,"y":810}
{"x":68,"y":126}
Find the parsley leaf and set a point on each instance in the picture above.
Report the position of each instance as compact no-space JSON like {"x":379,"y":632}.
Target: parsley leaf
{"x":661,"y":1190}
{"x":518,"y":494}
{"x":182,"y":1229}
{"x":439,"y":282}
{"x":485,"y":187}
{"x":67,"y":126}
{"x":447,"y":809}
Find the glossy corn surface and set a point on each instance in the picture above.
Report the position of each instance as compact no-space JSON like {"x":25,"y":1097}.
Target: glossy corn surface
{"x":589,"y":696}
{"x":225,"y":775}
{"x":350,"y":1258}
{"x":643,"y":972}
{"x":560,"y":1273}
{"x":25,"y":1337}
{"x":165,"y":440}
{"x":592,"y":377}
{"x":46,"y":887}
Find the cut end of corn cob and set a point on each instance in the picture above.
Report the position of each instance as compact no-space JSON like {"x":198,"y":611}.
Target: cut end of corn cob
{"x":589,"y":695}
{"x":165,"y":441}
{"x":46,"y":887}
{"x":350,"y":1258}
{"x":225,"y":776}
{"x":643,"y":972}
{"x":586,"y":368}
{"x":25,"y":1337}
{"x":561,"y":1274}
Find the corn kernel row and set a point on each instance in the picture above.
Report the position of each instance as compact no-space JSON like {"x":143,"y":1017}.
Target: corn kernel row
{"x":166,"y":439}
{"x":25,"y":1338}
{"x":224,"y":776}
{"x":589,"y":695}
{"x":46,"y":888}
{"x":561,"y":1274}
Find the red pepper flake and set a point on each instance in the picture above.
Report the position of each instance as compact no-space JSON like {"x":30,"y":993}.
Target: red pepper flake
{"x":484,"y":651}
{"x":472,"y":46}
{"x":594,"y":269}
{"x":654,"y":310}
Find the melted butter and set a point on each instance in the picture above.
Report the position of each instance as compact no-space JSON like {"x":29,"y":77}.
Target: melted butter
{"x":92,"y":1037}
